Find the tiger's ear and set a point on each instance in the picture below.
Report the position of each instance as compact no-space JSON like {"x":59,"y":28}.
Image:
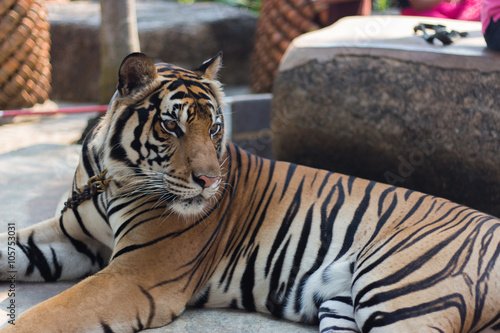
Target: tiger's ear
{"x":210,"y":68}
{"x":136,"y":72}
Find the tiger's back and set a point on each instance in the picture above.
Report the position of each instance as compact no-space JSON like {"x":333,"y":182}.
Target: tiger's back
{"x":304,"y":237}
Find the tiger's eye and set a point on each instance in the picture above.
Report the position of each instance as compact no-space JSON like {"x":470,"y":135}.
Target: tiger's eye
{"x":214,"y":129}
{"x":170,"y":125}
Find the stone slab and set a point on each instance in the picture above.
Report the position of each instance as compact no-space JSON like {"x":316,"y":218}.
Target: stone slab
{"x":32,"y":180}
{"x":393,"y":108}
{"x":183,"y":34}
{"x":393,"y":37}
{"x":251,"y":118}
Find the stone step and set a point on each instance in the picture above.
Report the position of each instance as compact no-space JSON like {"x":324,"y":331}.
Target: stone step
{"x":250,"y":115}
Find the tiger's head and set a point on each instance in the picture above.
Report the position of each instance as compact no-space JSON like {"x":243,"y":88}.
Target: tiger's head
{"x":164,"y":133}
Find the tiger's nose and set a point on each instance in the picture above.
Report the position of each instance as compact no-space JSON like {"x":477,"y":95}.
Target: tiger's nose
{"x":205,"y":181}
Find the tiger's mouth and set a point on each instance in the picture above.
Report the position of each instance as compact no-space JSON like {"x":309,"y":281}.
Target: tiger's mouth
{"x":190,"y":206}
{"x":194,"y":201}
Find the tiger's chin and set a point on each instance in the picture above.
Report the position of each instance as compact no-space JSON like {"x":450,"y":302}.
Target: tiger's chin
{"x":191,"y":207}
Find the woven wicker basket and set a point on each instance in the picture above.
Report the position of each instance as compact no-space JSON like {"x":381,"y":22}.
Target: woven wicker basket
{"x":283,"y":20}
{"x":280,"y":21}
{"x":24,"y":53}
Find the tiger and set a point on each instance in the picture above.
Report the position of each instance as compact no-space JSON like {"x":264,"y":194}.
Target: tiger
{"x":166,"y":213}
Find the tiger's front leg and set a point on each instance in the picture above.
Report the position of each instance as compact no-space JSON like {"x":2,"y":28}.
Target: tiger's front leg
{"x":60,"y":248}
{"x":124,"y":297}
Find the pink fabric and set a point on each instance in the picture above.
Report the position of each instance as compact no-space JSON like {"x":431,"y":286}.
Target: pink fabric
{"x":468,"y":10}
{"x":490,"y":10}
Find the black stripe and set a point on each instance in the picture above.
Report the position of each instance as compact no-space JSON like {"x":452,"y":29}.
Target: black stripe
{"x":106,"y":328}
{"x":152,"y":306}
{"x":86,"y":153}
{"x":285,"y":225}
{"x":79,"y":246}
{"x":288,"y":179}
{"x":99,"y":202}
{"x":452,"y":223}
{"x":494,"y":327}
{"x":238,"y":151}
{"x":125,"y":223}
{"x":179,"y":95}
{"x":248,"y":281}
{"x":325,"y":236}
{"x":380,"y":318}
{"x":314,"y":179}
{"x":140,"y":326}
{"x":174,"y":85}
{"x":239,"y":247}
{"x":325,"y":181}
{"x":394,"y":249}
{"x":96,"y":156}
{"x":413,"y":209}
{"x":117,"y":151}
{"x":416,"y":264}
{"x":117,"y":208}
{"x":233,"y":304}
{"x":202,"y":299}
{"x":231,"y":267}
{"x":276,"y":298}
{"x":262,"y":217}
{"x":381,"y":200}
{"x":249,"y":166}
{"x":332,"y":315}
{"x":195,"y":83}
{"x":381,"y":221}
{"x":37,"y":259}
{"x":408,"y":193}
{"x":338,"y":329}
{"x":493,"y":324}
{"x":136,"y":143}
{"x":236,"y":247}
{"x":200,"y":258}
{"x":134,"y":247}
{"x":253,"y":211}
{"x":353,"y":226}
{"x":151,"y":219}
{"x":482,"y":286}
{"x":343,"y":299}
{"x":261,"y":166}
{"x":299,"y":254}
{"x":350,"y":183}
{"x":80,"y":222}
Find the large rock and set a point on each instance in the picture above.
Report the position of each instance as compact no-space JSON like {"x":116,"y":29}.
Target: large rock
{"x":367,"y":97}
{"x":177,"y":33}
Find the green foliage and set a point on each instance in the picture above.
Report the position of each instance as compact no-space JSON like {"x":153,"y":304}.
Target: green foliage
{"x":381,"y":5}
{"x":253,"y":5}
